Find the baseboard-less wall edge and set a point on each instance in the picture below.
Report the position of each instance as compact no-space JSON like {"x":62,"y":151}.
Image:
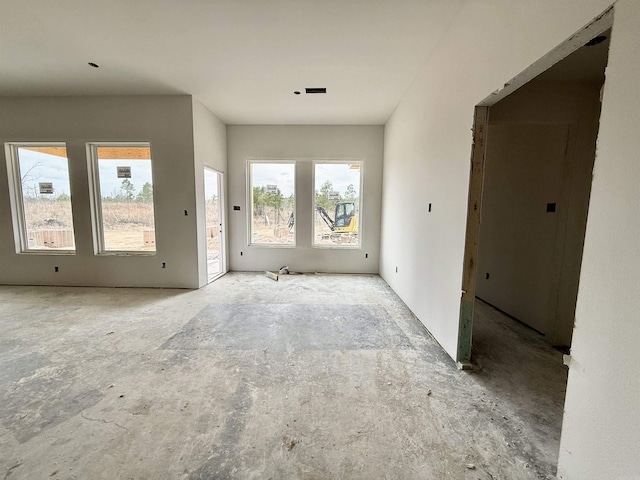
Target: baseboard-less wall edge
{"x":84,"y":285}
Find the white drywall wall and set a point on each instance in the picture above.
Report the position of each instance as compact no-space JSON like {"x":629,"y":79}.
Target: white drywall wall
{"x":533,"y":257}
{"x":601,"y":434}
{"x":523,"y":172}
{"x":304,"y":144}
{"x":165,"y":122}
{"x":210,"y":149}
{"x":428,"y":145}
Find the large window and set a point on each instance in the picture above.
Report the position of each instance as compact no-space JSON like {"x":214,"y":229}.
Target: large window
{"x":272,"y":201}
{"x":123,"y":198}
{"x":41,"y":197}
{"x":337,"y":204}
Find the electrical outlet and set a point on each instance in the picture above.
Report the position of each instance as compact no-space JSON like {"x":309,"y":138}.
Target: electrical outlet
{"x":56,"y":269}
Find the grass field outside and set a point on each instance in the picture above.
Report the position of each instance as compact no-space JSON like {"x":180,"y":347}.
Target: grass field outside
{"x":124,"y":223}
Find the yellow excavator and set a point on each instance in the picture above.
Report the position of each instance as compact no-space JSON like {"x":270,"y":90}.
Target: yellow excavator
{"x":345,"y":218}
{"x":343,"y":224}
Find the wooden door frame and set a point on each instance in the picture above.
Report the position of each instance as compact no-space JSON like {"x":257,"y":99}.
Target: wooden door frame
{"x":474,"y":212}
{"x":476,"y":178}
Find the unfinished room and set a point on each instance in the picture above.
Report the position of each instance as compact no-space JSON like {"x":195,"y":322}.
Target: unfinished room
{"x":319,"y":240}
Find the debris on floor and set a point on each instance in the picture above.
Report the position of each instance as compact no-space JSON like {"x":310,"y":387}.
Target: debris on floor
{"x":290,"y":443}
{"x":271,"y":275}
{"x":286,"y":271}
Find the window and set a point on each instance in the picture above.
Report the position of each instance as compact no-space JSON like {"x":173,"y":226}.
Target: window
{"x":337,"y":187}
{"x":123,"y":198}
{"x":272,"y":201}
{"x":41,"y":197}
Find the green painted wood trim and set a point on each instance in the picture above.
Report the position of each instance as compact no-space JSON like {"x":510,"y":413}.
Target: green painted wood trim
{"x":465,"y":330}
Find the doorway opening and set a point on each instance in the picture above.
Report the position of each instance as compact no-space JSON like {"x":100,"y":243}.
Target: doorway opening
{"x":214,"y":221}
{"x":532,"y":158}
{"x":533,"y":153}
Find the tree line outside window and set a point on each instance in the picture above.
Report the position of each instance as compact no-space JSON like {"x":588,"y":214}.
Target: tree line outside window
{"x":272,"y":203}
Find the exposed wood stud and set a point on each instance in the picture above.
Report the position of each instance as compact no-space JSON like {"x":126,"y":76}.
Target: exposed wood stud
{"x":476,"y":179}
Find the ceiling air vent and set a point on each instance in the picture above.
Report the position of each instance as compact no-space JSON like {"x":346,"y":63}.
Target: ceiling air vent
{"x":315,"y":90}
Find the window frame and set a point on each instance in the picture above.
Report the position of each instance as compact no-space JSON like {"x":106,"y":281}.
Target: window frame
{"x":97,"y":224}
{"x":249,"y":199}
{"x":346,"y":161}
{"x":16,"y":199}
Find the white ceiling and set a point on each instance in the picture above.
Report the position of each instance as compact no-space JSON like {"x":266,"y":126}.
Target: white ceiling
{"x":241,"y":58}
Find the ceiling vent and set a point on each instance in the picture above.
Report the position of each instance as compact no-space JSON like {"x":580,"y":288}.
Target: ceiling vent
{"x":315,"y":90}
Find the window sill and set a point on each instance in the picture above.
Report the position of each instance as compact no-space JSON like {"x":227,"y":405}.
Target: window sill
{"x":125,"y":254}
{"x":338,"y":247}
{"x":48,"y":252}
{"x":270,"y":245}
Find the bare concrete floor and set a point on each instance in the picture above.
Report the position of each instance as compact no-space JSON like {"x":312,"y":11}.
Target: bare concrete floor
{"x":311,"y":377}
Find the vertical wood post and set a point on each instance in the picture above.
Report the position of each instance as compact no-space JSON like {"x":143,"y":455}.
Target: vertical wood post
{"x":476,"y":179}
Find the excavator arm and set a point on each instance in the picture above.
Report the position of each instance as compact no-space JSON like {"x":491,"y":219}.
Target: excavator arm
{"x":325,"y":216}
